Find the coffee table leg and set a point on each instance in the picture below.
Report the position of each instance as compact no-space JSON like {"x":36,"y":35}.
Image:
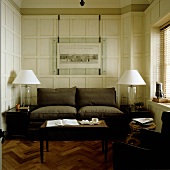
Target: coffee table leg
{"x":41,"y":146}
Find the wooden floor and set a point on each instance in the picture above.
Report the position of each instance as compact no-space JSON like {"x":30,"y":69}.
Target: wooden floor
{"x":20,"y":154}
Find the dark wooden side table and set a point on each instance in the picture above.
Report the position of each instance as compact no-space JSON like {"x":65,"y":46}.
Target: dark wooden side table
{"x":17,"y":122}
{"x":134,"y":113}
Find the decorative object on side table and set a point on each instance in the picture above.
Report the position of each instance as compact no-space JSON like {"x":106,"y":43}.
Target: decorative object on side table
{"x":17,"y":106}
{"x":139,"y":105}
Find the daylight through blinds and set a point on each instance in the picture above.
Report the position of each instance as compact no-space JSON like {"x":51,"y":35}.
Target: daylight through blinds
{"x":165,"y":60}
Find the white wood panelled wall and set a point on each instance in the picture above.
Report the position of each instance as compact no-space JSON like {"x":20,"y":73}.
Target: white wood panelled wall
{"x":132,"y":49}
{"x":155,"y":16}
{"x":38,"y":32}
{"x":10,"y":54}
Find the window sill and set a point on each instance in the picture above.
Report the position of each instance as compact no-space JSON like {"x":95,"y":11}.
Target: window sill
{"x":157,"y":109}
{"x":163,"y":106}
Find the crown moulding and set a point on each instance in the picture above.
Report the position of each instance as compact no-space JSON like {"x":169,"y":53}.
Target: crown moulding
{"x":75,"y":4}
{"x":83,"y":11}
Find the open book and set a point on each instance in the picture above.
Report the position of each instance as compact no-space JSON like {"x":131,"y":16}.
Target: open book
{"x":62,"y":122}
{"x":143,"y":120}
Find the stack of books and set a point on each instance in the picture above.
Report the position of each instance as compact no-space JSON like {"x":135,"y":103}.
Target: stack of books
{"x":143,"y":121}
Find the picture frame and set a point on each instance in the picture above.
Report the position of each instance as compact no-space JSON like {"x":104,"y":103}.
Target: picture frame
{"x":78,"y":55}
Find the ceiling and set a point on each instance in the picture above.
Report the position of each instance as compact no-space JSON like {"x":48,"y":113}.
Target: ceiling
{"x":76,"y":3}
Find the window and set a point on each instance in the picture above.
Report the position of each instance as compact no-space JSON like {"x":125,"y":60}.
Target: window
{"x":163,"y":61}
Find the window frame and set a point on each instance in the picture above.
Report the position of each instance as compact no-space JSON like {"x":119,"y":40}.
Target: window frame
{"x":163,"y":60}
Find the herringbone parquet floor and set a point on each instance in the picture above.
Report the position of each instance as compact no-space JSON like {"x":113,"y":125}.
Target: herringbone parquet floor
{"x":20,"y":154}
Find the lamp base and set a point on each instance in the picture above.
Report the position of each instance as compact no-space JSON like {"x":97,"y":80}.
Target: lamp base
{"x":131,"y":95}
{"x":26,"y":96}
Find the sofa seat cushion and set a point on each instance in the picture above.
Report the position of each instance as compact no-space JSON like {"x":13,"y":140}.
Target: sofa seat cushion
{"x":54,"y":112}
{"x":101,"y":112}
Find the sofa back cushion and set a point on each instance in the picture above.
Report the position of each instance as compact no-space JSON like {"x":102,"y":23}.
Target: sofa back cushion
{"x":96,"y":97}
{"x":55,"y":97}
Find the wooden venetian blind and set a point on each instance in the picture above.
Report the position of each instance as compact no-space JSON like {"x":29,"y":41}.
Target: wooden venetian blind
{"x":164,"y":60}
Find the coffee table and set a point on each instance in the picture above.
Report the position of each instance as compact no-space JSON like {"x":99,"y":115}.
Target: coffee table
{"x":73,"y":133}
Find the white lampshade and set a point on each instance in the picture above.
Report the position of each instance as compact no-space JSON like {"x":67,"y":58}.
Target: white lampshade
{"x":26,"y":77}
{"x":131,"y":77}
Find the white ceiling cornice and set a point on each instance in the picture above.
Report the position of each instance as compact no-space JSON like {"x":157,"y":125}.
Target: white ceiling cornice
{"x":70,"y":4}
{"x":18,"y":3}
{"x":76,"y":3}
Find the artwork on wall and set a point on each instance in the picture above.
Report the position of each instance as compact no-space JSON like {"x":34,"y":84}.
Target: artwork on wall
{"x":78,"y":55}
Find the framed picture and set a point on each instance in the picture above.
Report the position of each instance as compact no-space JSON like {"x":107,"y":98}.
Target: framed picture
{"x":78,"y":55}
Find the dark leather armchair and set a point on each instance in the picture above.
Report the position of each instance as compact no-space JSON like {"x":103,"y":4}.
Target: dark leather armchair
{"x":153,"y":152}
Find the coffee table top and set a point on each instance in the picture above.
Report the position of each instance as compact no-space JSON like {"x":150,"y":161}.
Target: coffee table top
{"x":101,"y":124}
{"x":74,"y":132}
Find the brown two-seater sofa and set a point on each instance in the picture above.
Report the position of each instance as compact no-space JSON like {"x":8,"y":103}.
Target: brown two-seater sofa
{"x":78,"y":103}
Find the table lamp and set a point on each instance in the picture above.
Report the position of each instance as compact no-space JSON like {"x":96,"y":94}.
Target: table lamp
{"x":132,"y":78}
{"x":26,"y":77}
